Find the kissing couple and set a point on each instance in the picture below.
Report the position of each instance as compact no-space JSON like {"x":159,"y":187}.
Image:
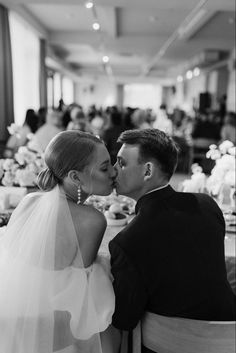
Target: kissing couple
{"x":57,"y":295}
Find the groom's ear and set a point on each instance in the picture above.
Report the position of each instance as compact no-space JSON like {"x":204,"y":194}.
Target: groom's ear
{"x":149,"y":169}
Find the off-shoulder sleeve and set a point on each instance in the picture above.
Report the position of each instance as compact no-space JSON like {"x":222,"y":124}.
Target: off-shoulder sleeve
{"x":87,"y":294}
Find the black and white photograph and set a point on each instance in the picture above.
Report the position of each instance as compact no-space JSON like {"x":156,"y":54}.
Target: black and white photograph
{"x":117,"y":176}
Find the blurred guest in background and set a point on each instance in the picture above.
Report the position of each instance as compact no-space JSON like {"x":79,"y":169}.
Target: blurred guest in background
{"x":42,"y":113}
{"x":78,"y":120}
{"x":163,"y":122}
{"x":52,"y":126}
{"x":228,"y":130}
{"x":66,"y":117}
{"x":205,"y":127}
{"x":139,"y":119}
{"x":61,"y":106}
{"x":111,"y":134}
{"x":97,"y":125}
{"x":128,"y":124}
{"x":222,"y":106}
{"x":30,"y":125}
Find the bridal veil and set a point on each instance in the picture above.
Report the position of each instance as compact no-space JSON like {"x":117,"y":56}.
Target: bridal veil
{"x":49,"y":302}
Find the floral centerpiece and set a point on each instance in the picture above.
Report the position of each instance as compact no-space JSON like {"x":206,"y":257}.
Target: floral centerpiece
{"x":23,"y":168}
{"x":223,"y":172}
{"x":222,"y":175}
{"x":197,"y":183}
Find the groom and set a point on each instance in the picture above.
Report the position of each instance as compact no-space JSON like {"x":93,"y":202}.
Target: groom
{"x":169,"y":260}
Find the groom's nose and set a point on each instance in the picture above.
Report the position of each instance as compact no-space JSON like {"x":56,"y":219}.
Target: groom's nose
{"x":115,"y":166}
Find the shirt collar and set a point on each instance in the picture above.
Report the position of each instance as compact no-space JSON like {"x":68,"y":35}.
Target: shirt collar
{"x":160,"y":187}
{"x":159,"y":194}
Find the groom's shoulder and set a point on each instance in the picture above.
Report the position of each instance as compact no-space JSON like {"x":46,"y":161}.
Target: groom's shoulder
{"x":128,"y":235}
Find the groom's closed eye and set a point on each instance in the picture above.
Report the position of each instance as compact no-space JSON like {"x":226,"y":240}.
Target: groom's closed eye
{"x":120,"y":162}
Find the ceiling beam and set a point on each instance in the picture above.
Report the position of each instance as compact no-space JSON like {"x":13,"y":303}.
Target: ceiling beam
{"x":132,"y":42}
{"x":173,"y":37}
{"x":226,"y":5}
{"x":153,"y":4}
{"x":28,"y":17}
{"x":195,"y":23}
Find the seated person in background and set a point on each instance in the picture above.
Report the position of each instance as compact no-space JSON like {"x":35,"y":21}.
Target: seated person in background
{"x":61,"y":106}
{"x":52,"y":126}
{"x":78,"y":120}
{"x":228,"y":130}
{"x":66,"y":117}
{"x":42,"y":113}
{"x":20,"y":138}
{"x":128,"y":124}
{"x":97,"y":125}
{"x":205,"y":127}
{"x":163,"y":122}
{"x":111,"y":134}
{"x":139,"y":119}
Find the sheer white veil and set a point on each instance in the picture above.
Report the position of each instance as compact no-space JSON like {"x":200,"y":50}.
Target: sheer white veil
{"x":47,"y":300}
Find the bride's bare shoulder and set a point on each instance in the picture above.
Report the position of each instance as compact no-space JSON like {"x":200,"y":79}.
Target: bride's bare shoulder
{"x":88,"y":217}
{"x":90,"y":225}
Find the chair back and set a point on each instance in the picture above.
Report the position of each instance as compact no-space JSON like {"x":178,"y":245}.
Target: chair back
{"x":177,"y":335}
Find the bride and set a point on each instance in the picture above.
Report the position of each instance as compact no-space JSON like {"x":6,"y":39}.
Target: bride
{"x":56,"y":295}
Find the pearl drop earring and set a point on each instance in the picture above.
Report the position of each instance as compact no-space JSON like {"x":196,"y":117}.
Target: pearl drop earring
{"x":79,"y":195}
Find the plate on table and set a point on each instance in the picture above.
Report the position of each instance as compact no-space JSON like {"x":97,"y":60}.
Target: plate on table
{"x":117,"y":222}
{"x":231,"y":229}
{"x":230,"y":222}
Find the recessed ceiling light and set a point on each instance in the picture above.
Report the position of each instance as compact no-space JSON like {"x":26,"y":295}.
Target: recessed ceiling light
{"x":89,"y":4}
{"x":196,"y":71}
{"x":231,"y":20}
{"x":180,"y":78}
{"x":105,"y":59}
{"x":189,"y":74}
{"x":96,"y":26}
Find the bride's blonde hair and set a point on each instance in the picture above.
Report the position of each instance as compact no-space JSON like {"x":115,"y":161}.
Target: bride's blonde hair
{"x":68,"y":150}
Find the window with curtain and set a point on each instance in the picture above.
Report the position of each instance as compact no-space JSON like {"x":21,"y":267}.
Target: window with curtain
{"x":25,"y":63}
{"x":67,"y":90}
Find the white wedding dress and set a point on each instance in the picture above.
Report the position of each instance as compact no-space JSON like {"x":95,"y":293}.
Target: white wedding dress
{"x":46,"y":304}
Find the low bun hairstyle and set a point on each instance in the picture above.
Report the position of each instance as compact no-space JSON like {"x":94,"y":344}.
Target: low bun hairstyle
{"x":68,"y":150}
{"x":47,"y":180}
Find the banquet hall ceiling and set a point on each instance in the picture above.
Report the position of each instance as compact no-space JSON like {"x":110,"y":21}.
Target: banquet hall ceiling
{"x":145,"y":39}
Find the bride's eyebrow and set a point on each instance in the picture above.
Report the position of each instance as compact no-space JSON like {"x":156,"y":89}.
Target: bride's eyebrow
{"x":105,"y":162}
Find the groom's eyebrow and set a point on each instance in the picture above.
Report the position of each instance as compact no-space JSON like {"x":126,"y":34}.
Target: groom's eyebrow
{"x":120,"y":158}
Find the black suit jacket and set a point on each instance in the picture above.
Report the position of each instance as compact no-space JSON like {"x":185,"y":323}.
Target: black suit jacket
{"x":170,"y":260}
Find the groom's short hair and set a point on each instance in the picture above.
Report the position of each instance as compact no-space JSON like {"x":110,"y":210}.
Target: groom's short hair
{"x":153,"y":144}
